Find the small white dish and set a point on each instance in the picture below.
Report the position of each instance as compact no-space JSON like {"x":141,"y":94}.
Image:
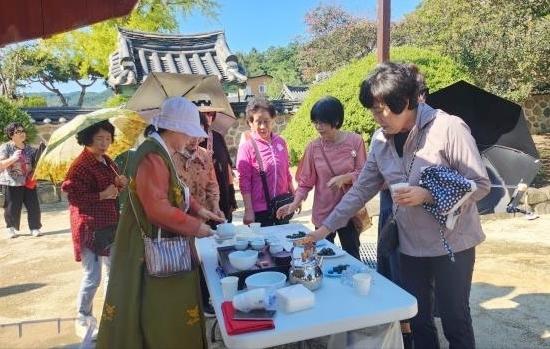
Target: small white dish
{"x":243,"y":260}
{"x":241,"y":245}
{"x":258,"y":244}
{"x":226,"y":230}
{"x":275,"y":248}
{"x":337,"y":253}
{"x":266,"y":279}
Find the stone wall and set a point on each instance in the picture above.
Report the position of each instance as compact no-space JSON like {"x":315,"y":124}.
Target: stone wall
{"x":233,"y":136}
{"x":537,"y":113}
{"x":538,"y":200}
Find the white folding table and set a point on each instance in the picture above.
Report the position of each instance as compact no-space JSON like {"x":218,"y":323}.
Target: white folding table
{"x":338,"y":308}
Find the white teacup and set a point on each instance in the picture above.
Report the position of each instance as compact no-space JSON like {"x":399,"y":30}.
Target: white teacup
{"x":275,"y":248}
{"x":230,"y":285}
{"x":226,"y":229}
{"x":361,"y":283}
{"x":397,"y":186}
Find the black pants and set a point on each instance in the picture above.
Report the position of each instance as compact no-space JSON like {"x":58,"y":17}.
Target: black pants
{"x":450,"y":283}
{"x":349,"y":238}
{"x":14,"y":198}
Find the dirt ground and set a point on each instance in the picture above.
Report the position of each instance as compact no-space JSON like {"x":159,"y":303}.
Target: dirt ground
{"x":510,"y":297}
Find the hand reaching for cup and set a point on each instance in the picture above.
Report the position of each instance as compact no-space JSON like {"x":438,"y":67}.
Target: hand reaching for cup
{"x":207,"y":215}
{"x":286,"y":210}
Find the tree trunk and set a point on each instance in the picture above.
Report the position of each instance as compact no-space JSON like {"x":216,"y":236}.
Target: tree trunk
{"x":54,"y":90}
{"x":60,"y":96}
{"x":83,"y":88}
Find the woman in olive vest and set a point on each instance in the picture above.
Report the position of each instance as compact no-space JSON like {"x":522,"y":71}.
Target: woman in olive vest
{"x":141,"y":310}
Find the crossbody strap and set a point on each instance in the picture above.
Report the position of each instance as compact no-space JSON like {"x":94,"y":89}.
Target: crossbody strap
{"x":409,"y":169}
{"x":326,"y":160}
{"x":263,"y":175}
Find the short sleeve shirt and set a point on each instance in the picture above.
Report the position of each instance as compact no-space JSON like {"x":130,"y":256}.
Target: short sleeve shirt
{"x":17,"y":173}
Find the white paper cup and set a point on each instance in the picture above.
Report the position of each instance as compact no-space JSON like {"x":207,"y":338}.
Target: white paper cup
{"x":397,"y":186}
{"x":230,"y":284}
{"x":255,"y":227}
{"x":361,"y":283}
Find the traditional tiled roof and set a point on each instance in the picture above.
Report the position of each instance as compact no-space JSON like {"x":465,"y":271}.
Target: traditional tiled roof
{"x":59,"y":115}
{"x":139,"y":53}
{"x":55,"y":115}
{"x":294,"y":93}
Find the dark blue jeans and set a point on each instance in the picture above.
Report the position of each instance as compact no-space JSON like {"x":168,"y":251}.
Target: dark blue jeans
{"x":448,"y":283}
{"x":387,"y":266}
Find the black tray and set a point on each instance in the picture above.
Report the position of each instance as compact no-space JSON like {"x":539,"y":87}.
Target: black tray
{"x":265,"y":263}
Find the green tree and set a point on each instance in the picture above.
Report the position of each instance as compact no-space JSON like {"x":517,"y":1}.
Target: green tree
{"x":92,"y":46}
{"x":336,"y":38}
{"x":115,"y":101}
{"x":86,"y":51}
{"x":438,"y":70}
{"x":10,"y":113}
{"x":279,"y":62}
{"x":11,"y":69}
{"x":39,"y":65}
{"x":502,"y":43}
{"x":31,"y":102}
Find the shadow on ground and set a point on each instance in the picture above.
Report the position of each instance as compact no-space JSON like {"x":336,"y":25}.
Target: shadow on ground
{"x":15,"y":289}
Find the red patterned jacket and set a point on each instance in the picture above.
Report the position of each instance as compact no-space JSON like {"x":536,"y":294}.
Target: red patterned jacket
{"x":86,"y":178}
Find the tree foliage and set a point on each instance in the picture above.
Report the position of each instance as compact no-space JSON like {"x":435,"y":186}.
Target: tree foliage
{"x":10,"y":113}
{"x":116,"y":101}
{"x":90,"y":47}
{"x":82,"y":55}
{"x":11,"y":69}
{"x":279,"y":62}
{"x":336,"y":38}
{"x":438,"y":70}
{"x":502,"y":43}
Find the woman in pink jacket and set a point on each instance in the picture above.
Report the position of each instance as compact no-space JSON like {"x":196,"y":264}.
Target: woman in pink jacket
{"x":273,"y":152}
{"x":331,"y":163}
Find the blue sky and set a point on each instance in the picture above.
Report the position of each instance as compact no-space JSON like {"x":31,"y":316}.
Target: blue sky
{"x":262,"y":23}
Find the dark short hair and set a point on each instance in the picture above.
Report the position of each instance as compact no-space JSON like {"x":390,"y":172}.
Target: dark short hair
{"x":255,"y":105}
{"x":10,"y":128}
{"x":393,"y":84}
{"x":149,"y":130}
{"x":204,"y":121}
{"x":328,"y":110}
{"x":86,"y":136}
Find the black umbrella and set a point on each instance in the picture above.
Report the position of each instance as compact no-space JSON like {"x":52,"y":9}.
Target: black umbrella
{"x":502,"y":136}
{"x":493,"y":120}
{"x":507,"y":168}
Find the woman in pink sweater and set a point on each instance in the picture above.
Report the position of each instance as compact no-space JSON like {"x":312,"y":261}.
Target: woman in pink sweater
{"x":273,"y":153}
{"x":331,"y":163}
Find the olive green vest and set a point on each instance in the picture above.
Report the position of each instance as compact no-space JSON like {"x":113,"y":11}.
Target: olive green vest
{"x":175,"y":195}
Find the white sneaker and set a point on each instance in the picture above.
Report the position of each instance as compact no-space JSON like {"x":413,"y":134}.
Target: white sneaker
{"x":12,"y":233}
{"x":36,"y":233}
{"x":86,"y":327}
{"x":81,"y":326}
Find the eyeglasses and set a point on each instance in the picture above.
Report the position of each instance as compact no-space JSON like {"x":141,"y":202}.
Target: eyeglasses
{"x":19,"y":132}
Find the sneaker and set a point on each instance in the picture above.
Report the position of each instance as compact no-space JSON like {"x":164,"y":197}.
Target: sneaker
{"x":81,"y":326}
{"x":12,"y":233}
{"x":208,"y":311}
{"x":36,"y":233}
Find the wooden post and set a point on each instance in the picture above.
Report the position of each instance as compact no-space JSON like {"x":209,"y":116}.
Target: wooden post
{"x":383,"y":31}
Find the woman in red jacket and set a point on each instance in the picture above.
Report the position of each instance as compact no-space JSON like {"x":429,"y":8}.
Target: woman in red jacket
{"x":92,"y":185}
